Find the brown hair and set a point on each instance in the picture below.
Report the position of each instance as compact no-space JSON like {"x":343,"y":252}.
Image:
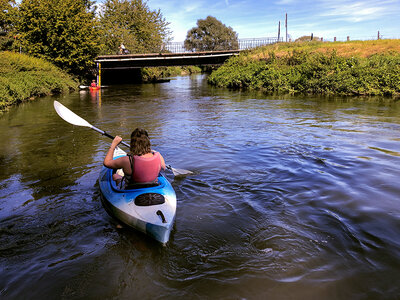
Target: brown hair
{"x":140,"y":142}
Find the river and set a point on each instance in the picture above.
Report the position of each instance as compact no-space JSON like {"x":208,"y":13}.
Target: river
{"x":292,"y":197}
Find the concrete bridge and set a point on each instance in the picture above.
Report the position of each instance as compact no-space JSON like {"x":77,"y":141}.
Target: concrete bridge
{"x":134,"y":61}
{"x":174,"y":55}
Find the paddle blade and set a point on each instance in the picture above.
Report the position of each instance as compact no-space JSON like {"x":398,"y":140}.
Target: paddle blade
{"x":178,"y":172}
{"x":69,"y":116}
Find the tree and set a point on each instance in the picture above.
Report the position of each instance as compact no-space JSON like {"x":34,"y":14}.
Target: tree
{"x":132,"y":23}
{"x":7,"y":16}
{"x":61,"y":31}
{"x":6,"y":8}
{"x":211,"y":35}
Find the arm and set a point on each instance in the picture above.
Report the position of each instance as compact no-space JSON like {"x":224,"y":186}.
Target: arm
{"x":162,"y":162}
{"x":109,"y":162}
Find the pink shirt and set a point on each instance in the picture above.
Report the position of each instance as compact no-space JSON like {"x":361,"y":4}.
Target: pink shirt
{"x":146,"y":169}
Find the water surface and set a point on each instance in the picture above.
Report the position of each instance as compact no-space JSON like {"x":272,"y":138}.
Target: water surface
{"x":291,"y":197}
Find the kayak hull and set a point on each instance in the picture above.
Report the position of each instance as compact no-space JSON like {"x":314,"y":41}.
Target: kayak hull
{"x":154,"y":220}
{"x":94,"y":88}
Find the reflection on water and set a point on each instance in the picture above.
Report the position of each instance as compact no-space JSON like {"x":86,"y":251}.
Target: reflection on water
{"x":292,"y":197}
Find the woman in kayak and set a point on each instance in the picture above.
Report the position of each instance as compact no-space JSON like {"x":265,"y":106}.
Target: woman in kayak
{"x":141,"y":166}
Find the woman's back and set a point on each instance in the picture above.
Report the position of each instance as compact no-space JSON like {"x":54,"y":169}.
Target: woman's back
{"x":145,"y":168}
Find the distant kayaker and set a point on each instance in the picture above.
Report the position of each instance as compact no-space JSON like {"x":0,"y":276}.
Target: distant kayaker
{"x":93,"y":84}
{"x":141,"y":166}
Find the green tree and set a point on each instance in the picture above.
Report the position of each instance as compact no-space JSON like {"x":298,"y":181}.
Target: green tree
{"x":211,"y":35}
{"x":61,"y":31}
{"x":7,"y":17}
{"x":132,"y":23}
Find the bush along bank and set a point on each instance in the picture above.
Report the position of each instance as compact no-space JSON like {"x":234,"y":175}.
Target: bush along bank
{"x":302,"y":71}
{"x":155,"y":74}
{"x":23,"y":77}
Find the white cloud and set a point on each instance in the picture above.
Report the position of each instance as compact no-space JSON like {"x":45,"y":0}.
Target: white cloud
{"x":285,"y":2}
{"x":357,"y":11}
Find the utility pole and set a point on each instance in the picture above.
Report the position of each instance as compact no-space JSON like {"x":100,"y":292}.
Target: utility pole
{"x":286,"y":26}
{"x":279,"y":30}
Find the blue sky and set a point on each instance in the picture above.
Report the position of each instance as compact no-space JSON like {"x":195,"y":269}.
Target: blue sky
{"x":256,"y":18}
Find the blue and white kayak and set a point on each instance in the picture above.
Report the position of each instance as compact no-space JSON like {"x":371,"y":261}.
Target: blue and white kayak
{"x":148,"y":209}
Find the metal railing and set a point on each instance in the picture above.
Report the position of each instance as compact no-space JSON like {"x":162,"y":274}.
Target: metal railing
{"x":244,"y":44}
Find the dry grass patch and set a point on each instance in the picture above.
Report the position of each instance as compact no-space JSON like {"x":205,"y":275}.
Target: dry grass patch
{"x":346,"y":49}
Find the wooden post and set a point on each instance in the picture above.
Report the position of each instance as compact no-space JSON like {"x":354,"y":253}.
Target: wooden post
{"x":279,"y":30}
{"x":286,"y":26}
{"x":348,"y":38}
{"x":334,"y":39}
{"x":322,"y":39}
{"x":378,"y":35}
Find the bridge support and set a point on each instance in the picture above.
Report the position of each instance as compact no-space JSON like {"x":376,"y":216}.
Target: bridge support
{"x":98,"y":74}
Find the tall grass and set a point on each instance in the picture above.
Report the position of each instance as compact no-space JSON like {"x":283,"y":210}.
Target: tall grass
{"x":315,"y":68}
{"x":23,"y":77}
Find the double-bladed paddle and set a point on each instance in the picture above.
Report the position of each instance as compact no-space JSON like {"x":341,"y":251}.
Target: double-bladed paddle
{"x":72,"y":118}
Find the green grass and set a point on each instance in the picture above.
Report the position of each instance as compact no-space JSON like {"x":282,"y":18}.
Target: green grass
{"x":23,"y":77}
{"x":352,"y":68}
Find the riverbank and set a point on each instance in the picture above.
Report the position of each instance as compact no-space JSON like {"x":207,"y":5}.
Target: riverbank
{"x":333,"y":68}
{"x":23,"y":77}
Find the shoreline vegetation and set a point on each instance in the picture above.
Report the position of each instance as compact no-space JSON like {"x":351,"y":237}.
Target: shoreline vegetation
{"x":357,"y":68}
{"x":23,"y":77}
{"x":155,"y":74}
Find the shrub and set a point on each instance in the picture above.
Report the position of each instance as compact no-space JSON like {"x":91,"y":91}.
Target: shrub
{"x":302,"y":71}
{"x":23,"y":77}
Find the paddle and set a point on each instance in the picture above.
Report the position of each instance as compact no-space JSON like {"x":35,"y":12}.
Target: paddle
{"x":72,"y":118}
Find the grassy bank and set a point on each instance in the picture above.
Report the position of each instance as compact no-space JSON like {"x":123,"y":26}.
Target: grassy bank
{"x":340,"y":68}
{"x":23,"y":77}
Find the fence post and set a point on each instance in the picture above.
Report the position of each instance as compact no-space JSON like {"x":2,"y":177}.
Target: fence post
{"x":378,"y":35}
{"x":334,"y":39}
{"x":348,"y":38}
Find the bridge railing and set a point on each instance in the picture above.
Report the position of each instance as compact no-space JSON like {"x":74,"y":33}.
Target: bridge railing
{"x":244,"y":44}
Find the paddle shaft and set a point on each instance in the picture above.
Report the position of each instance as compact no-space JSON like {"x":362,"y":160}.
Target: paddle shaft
{"x":108,"y":135}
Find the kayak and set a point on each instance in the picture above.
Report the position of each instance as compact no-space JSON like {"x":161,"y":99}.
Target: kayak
{"x":150,"y":210}
{"x":94,"y":88}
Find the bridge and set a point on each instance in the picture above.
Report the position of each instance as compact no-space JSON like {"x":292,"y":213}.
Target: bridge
{"x":134,"y":61}
{"x":173,"y":54}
